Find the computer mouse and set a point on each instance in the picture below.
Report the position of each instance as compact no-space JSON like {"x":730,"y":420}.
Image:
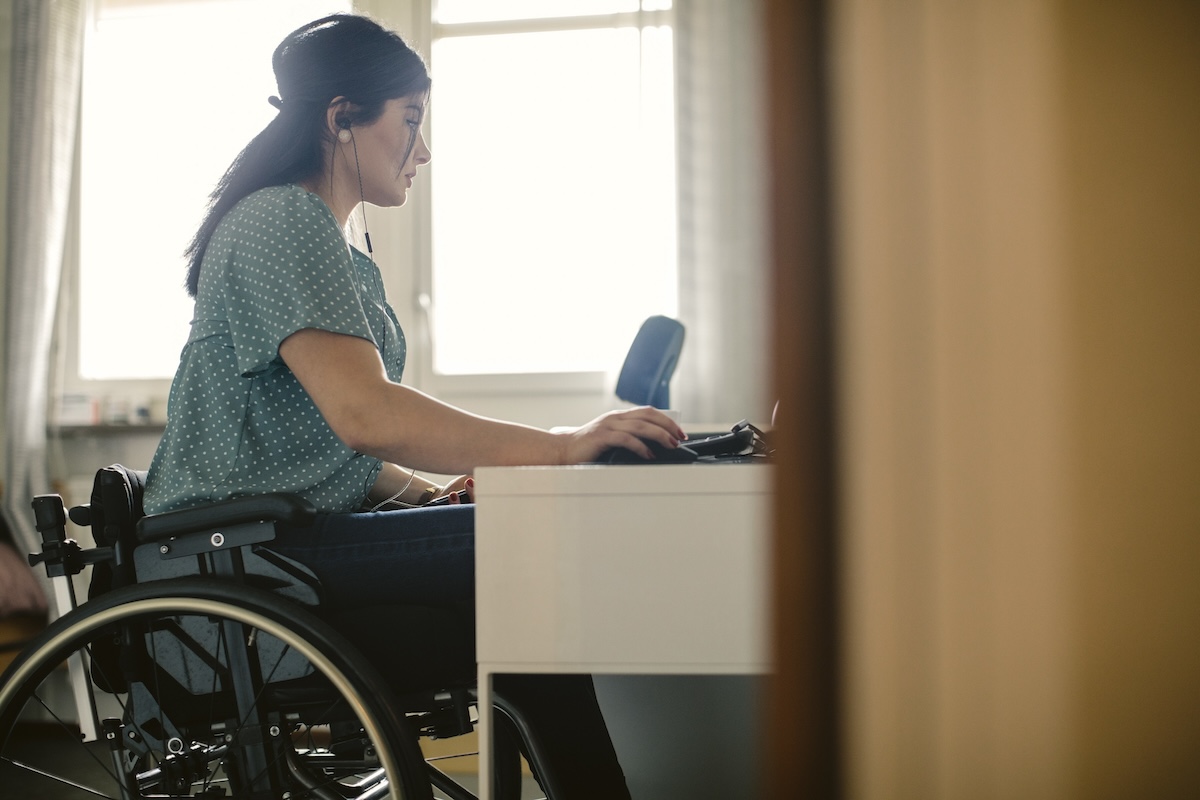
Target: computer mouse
{"x":662,"y":455}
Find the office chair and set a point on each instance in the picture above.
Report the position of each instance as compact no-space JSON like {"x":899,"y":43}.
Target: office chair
{"x":645,"y":376}
{"x":212,"y":672}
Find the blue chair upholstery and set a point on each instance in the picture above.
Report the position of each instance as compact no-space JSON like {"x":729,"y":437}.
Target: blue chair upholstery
{"x":646,"y":374}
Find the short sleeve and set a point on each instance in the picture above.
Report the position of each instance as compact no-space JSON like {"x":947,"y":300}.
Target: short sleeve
{"x":285,"y":267}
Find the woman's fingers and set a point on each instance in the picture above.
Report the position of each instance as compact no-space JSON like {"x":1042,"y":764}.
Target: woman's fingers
{"x":459,"y":490}
{"x":630,"y":429}
{"x":649,"y":423}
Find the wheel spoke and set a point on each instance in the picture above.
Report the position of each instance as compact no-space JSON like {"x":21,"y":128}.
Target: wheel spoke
{"x":56,"y":778}
{"x":145,"y":617}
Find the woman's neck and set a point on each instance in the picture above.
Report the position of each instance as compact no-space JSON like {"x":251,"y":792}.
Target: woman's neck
{"x":341,"y":203}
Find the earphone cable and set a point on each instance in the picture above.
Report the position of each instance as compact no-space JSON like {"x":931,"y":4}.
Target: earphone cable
{"x":396,"y":497}
{"x":361,"y":196}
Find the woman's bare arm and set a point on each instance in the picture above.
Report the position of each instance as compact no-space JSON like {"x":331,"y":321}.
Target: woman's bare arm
{"x":346,"y":379}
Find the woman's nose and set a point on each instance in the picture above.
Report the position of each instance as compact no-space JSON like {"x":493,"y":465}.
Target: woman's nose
{"x":423,"y":154}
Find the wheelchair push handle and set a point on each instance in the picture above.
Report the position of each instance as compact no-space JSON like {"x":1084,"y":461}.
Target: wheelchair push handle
{"x":50,"y":518}
{"x":60,"y":555}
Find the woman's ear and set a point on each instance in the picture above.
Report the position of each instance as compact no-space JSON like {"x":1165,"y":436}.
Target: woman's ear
{"x":338,"y":116}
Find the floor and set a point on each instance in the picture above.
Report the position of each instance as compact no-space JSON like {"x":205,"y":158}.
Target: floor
{"x":85,"y":768}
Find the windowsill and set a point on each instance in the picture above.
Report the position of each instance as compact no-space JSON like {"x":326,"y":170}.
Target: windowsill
{"x":541,"y":383}
{"x":106,"y":429}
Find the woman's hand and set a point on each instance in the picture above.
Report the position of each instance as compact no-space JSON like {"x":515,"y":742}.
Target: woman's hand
{"x":629,"y":429}
{"x":463,"y":483}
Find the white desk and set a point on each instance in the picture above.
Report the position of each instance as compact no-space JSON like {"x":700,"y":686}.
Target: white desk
{"x":657,"y":569}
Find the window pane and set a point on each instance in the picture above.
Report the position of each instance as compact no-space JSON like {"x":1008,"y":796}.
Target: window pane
{"x":554,"y":203}
{"x":171,"y":93}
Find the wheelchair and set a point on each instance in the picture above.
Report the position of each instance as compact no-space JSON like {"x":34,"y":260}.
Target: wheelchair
{"x":211,"y":671}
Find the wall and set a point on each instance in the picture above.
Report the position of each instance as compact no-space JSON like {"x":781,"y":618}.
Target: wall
{"x":1017,"y":196}
{"x":1132,"y":201}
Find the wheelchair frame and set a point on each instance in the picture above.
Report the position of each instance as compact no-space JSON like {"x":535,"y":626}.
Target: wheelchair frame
{"x":274,"y":671}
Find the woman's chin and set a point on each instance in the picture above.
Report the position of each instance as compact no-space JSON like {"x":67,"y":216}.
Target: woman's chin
{"x":390,"y":201}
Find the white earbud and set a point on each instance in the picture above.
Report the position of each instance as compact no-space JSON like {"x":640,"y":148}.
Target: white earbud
{"x":344,"y":135}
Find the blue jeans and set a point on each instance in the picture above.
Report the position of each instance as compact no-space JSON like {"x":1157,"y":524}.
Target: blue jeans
{"x":420,"y":556}
{"x":372,"y":565}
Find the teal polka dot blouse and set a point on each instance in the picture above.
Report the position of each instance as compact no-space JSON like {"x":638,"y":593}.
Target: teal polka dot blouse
{"x":238,"y":421}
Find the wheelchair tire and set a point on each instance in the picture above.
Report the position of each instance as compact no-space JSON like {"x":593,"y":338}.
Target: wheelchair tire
{"x":342,"y":732}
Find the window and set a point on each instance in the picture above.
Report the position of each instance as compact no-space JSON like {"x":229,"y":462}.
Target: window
{"x":547,"y":220}
{"x":552,"y":181}
{"x":172,"y":92}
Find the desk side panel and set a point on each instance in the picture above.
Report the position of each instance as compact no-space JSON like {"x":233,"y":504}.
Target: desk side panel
{"x":672,"y":581}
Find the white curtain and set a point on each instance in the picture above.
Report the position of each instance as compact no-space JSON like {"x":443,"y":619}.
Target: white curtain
{"x":47,"y":44}
{"x":723,"y":373}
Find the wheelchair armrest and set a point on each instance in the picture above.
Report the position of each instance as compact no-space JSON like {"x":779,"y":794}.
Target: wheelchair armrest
{"x":277,"y":507}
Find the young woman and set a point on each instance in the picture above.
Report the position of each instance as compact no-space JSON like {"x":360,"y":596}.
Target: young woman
{"x":290,"y":379}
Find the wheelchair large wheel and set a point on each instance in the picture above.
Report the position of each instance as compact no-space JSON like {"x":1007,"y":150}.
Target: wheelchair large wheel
{"x":328,"y":730}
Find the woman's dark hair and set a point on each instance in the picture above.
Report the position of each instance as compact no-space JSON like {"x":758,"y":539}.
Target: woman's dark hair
{"x":343,"y":55}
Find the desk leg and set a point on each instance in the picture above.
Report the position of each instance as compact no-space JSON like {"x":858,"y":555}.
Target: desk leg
{"x":483,"y":731}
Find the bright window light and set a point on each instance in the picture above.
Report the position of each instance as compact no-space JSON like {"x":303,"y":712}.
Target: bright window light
{"x":453,"y":11}
{"x":172,"y":92}
{"x":553,"y":181}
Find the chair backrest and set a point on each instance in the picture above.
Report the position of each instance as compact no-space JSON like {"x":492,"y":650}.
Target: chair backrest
{"x":646,"y":374}
{"x":113,"y":513}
